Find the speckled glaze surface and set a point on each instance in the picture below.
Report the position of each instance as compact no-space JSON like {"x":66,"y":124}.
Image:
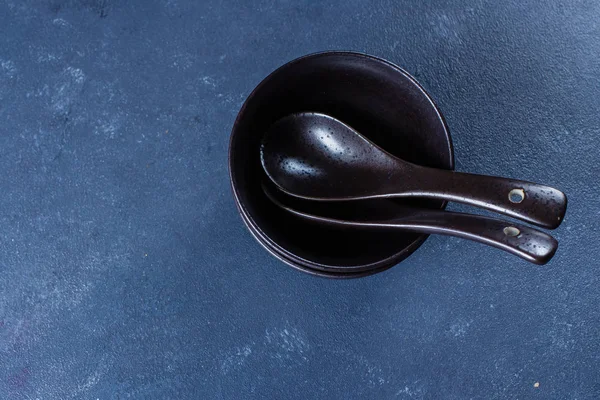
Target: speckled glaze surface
{"x":361,"y":89}
{"x":317,"y":157}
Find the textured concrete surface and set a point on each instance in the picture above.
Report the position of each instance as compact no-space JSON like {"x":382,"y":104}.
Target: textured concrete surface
{"x":125,"y":271}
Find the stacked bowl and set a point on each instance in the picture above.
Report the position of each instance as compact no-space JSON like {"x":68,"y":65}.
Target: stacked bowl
{"x":377,"y":98}
{"x":374,"y":97}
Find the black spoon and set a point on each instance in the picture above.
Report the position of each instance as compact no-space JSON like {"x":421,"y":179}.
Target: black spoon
{"x":528,"y":243}
{"x":317,"y":157}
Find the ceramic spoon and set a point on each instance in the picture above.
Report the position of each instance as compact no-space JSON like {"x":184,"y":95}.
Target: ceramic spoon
{"x":528,"y":243}
{"x":317,"y":157}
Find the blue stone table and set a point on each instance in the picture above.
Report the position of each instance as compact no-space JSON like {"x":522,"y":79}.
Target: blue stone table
{"x":125,"y":271}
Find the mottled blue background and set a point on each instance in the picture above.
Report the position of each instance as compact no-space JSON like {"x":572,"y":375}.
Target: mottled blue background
{"x":125,"y":271}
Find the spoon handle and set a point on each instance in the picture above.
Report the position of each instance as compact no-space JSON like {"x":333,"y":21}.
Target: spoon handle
{"x":528,"y":243}
{"x":537,"y":204}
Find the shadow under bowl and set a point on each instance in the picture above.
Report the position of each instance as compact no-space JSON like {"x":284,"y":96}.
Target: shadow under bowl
{"x":373,"y":96}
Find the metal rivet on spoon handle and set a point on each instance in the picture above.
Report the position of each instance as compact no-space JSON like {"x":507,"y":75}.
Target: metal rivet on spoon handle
{"x":525,"y":242}
{"x":315,"y":156}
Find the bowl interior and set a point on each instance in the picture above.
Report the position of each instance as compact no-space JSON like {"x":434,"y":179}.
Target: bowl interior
{"x":377,"y":99}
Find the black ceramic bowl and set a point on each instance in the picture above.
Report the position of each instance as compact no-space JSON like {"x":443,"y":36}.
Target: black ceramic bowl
{"x":376,"y":98}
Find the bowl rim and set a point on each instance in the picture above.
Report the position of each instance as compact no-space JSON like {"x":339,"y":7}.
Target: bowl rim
{"x":376,"y":266}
